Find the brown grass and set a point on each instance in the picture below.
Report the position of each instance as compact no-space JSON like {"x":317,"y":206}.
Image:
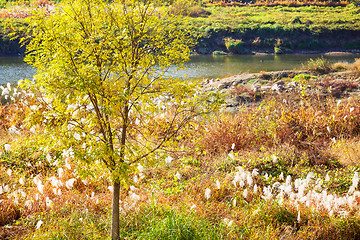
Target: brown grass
{"x":8,"y":212}
{"x":355,"y":67}
{"x":309,"y":124}
{"x":347,"y":151}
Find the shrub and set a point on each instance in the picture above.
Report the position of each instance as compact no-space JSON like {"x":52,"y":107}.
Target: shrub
{"x":234,"y":45}
{"x":8,"y":212}
{"x":355,"y":67}
{"x":340,"y":66}
{"x":185,"y":8}
{"x":197,"y":11}
{"x":318,"y":65}
{"x":217,"y":53}
{"x":278,"y":50}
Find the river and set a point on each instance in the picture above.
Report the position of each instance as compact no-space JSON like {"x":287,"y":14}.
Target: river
{"x":204,"y":66}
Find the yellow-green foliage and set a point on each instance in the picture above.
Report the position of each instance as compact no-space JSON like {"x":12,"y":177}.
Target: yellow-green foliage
{"x":101,"y":90}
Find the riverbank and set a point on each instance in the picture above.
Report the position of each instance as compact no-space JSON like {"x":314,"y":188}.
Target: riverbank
{"x":320,"y":79}
{"x":258,"y":30}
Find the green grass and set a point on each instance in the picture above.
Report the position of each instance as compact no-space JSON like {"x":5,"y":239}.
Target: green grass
{"x":148,"y":222}
{"x":311,"y":17}
{"x":309,"y":28}
{"x":299,"y":28}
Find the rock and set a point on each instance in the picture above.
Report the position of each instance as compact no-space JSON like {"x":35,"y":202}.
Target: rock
{"x":277,"y":87}
{"x":280,"y":82}
{"x":222,"y":86}
{"x":232,"y":102}
{"x":265,"y":88}
{"x":292,"y":84}
{"x":235,"y":83}
{"x":255,"y":87}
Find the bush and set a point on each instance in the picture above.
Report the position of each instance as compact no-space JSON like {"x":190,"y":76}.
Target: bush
{"x":278,"y":50}
{"x":235,"y":45}
{"x":197,"y":11}
{"x":185,"y":9}
{"x":318,"y":65}
{"x":217,"y":53}
{"x":8,"y":212}
{"x":355,"y":67}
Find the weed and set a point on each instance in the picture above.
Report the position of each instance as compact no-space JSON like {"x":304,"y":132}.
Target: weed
{"x":355,"y":67}
{"x":219,"y":53}
{"x":9,"y":212}
{"x":318,"y":65}
{"x":234,"y":46}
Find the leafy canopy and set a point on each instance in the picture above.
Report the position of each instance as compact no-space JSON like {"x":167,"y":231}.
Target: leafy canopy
{"x":101,"y":86}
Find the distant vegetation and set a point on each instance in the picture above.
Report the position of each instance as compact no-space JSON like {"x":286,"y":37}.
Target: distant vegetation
{"x":262,"y":26}
{"x":285,"y":29}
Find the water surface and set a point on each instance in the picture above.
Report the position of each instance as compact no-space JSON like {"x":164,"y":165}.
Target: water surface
{"x":222,"y":66}
{"x":14,"y":68}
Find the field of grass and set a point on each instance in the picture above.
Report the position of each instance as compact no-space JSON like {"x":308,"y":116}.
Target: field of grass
{"x":289,"y":28}
{"x":285,"y":168}
{"x":280,"y":29}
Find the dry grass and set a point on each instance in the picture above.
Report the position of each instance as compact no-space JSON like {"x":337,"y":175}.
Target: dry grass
{"x":292,"y":133}
{"x":9,"y":212}
{"x":347,"y":151}
{"x":310,"y":124}
{"x":340,"y":66}
{"x":292,"y":3}
{"x":355,"y":67}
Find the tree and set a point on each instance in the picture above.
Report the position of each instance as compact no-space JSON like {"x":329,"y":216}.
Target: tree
{"x":101,"y":86}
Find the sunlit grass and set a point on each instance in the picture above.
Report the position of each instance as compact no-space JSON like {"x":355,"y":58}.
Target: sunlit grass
{"x":286,"y":168}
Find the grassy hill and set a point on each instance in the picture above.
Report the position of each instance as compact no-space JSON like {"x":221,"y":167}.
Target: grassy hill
{"x":250,"y":29}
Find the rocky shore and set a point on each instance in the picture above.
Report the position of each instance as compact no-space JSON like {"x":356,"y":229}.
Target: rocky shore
{"x":252,"y":88}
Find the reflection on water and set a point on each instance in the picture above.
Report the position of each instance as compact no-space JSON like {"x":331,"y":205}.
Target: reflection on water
{"x":13,"y":68}
{"x":221,"y":66}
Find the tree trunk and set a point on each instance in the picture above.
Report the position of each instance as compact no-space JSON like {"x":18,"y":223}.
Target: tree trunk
{"x":115,"y":220}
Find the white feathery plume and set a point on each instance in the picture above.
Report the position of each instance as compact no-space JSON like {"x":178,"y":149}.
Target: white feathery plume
{"x":7,"y":147}
{"x":178,"y":176}
{"x":135,"y":178}
{"x":60,"y":172}
{"x":240,"y":169}
{"x":355,"y":180}
{"x":140,"y":167}
{"x":207,"y":193}
{"x":134,"y":197}
{"x":266,"y":176}
{"x":274,"y":159}
{"x":168,"y":159}
{"x":28,"y":204}
{"x":249,"y":179}
{"x":67,"y":164}
{"x":38,"y":224}
{"x":70,"y":183}
{"x":298,"y":217}
{"x":327,"y":177}
{"x":281,"y":177}
{"x":218,"y":185}
{"x":288,"y":180}
{"x":255,"y":172}
{"x":48,"y":202}
{"x":245,"y":194}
